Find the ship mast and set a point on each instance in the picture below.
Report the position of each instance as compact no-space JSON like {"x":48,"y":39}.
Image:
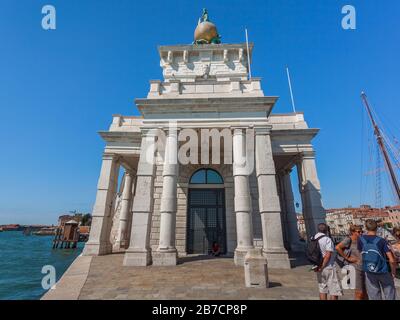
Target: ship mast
{"x":382,"y":147}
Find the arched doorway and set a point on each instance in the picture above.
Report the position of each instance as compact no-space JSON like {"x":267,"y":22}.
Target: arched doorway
{"x":206,"y":212}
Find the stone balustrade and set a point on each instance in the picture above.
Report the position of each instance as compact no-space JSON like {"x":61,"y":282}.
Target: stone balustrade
{"x":181,"y":89}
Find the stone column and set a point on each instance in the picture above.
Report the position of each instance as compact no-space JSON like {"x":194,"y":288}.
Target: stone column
{"x":139,"y":252}
{"x":122,"y":235}
{"x":166,"y":253}
{"x":313,"y":211}
{"x":291,"y":216}
{"x":242,"y":201}
{"x":268,"y":201}
{"x":129,"y":220}
{"x":99,"y":239}
{"x":281,"y":194}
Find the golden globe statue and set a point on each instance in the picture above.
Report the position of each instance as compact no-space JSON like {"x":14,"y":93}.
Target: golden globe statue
{"x":206,"y":31}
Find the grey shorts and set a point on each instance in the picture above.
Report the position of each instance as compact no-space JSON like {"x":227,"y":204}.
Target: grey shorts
{"x":380,"y":286}
{"x":328,"y":281}
{"x":360,"y":280}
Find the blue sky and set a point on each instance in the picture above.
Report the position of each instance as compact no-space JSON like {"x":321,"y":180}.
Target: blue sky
{"x":58,"y":88}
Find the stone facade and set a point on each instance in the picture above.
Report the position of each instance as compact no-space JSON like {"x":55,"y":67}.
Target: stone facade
{"x":186,"y":172}
{"x":205,"y":87}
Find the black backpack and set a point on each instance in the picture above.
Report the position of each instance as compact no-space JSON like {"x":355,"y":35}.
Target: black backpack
{"x":313,"y":251}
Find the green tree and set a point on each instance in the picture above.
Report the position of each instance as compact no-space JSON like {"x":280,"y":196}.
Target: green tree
{"x":86,"y":219}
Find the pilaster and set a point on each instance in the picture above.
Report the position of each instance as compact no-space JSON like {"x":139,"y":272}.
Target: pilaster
{"x":139,"y":252}
{"x":309,"y":186}
{"x":269,"y":205}
{"x":99,"y":239}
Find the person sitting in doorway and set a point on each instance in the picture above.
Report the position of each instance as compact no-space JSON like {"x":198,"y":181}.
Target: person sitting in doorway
{"x":215,"y":249}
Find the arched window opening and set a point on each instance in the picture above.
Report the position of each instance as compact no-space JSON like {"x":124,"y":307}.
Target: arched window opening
{"x":206,"y":176}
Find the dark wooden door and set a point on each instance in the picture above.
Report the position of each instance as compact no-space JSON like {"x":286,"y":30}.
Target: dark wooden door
{"x":206,"y":220}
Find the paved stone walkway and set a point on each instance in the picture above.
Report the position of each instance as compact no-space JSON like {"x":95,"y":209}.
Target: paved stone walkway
{"x":193,"y":278}
{"x":70,"y":285}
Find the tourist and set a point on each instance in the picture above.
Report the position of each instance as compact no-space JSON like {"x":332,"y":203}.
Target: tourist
{"x":374,"y":250}
{"x":383,"y":232}
{"x":215,"y":249}
{"x":348,"y":252}
{"x":395,"y":246}
{"x":328,"y":281}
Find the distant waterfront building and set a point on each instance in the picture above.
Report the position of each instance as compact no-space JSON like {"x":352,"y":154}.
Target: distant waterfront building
{"x":340,"y":219}
{"x":393,"y":217}
{"x":67,"y":217}
{"x":11,"y":227}
{"x":163,"y":209}
{"x":81,"y":218}
{"x":301,"y":226}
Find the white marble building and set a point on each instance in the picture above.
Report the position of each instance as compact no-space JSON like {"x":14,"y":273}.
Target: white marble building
{"x":163,"y":210}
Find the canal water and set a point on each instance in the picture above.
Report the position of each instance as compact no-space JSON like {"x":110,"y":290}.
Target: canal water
{"x":22,"y":259}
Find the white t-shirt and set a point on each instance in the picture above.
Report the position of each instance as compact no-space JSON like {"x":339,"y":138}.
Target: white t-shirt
{"x":326,"y":244}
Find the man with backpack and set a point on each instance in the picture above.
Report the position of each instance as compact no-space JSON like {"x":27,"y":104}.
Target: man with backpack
{"x":321,"y":252}
{"x":348,"y":254}
{"x":375,"y":251}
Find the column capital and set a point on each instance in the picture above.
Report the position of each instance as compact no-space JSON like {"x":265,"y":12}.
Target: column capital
{"x":307,"y":155}
{"x":171,"y":130}
{"x":111,"y":156}
{"x":239,"y":129}
{"x":262,"y":130}
{"x":149,"y":131}
{"x":130,"y":172}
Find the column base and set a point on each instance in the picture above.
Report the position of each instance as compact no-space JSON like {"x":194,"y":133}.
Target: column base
{"x":168,"y":258}
{"x":277,"y":259}
{"x":137,"y":258}
{"x":120,"y":246}
{"x":240,"y":254}
{"x":97,"y":249}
